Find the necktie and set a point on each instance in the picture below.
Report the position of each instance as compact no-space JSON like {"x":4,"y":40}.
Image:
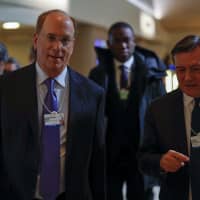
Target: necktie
{"x":196,"y":117}
{"x":50,"y":165}
{"x":195,"y":151}
{"x":123,"y":77}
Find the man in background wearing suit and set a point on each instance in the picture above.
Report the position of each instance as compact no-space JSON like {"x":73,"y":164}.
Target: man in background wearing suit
{"x":3,"y":57}
{"x":171,"y":145}
{"x":52,"y":140}
{"x":130,"y":85}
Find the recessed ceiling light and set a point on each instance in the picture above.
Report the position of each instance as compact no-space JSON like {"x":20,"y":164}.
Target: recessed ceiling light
{"x":11,"y":25}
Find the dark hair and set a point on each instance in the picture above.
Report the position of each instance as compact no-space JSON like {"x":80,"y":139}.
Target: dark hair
{"x":42,"y":17}
{"x":12,"y":60}
{"x":119,"y":25}
{"x":3,"y":52}
{"x":186,"y":44}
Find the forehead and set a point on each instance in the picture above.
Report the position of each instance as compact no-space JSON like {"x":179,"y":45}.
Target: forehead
{"x":58,"y":23}
{"x":185,"y":58}
{"x":122,"y":32}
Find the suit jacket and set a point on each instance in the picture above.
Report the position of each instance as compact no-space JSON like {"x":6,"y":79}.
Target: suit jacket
{"x":20,"y":150}
{"x":122,"y":117}
{"x":146,"y":84}
{"x":165,"y":130}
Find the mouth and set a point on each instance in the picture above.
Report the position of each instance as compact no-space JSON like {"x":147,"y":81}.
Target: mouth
{"x":56,"y":58}
{"x":191,"y":87}
{"x":123,"y":52}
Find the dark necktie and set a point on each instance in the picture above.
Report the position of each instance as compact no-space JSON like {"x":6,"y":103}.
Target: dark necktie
{"x":195,"y":151}
{"x":50,"y":165}
{"x":123,"y":77}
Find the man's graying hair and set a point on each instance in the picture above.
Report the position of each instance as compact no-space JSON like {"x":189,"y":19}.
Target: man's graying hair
{"x":42,"y":17}
{"x":186,"y":44}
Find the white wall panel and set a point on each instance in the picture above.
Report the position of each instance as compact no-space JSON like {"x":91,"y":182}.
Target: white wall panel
{"x":100,"y":12}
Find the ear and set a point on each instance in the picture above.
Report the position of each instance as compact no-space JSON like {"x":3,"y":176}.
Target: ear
{"x":73,"y":43}
{"x":108,"y":43}
{"x":35,"y":39}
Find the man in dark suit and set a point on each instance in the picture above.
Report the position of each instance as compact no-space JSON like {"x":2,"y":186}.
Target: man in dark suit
{"x":126,"y":100}
{"x":11,"y":65}
{"x":171,"y":137}
{"x":26,"y":118}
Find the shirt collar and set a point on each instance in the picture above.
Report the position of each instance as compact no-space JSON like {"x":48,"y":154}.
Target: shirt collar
{"x":187,"y":99}
{"x":42,"y":76}
{"x":128,"y":63}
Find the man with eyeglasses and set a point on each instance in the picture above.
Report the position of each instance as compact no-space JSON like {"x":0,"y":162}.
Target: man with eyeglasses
{"x":171,"y":148}
{"x":52,"y":138}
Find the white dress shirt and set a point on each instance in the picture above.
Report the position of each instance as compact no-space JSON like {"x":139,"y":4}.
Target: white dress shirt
{"x":188,"y":107}
{"x":128,"y":65}
{"x":62,"y":93}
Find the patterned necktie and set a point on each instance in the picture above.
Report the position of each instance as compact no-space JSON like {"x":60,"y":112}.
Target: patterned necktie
{"x":195,"y":150}
{"x":123,"y":77}
{"x":50,"y":165}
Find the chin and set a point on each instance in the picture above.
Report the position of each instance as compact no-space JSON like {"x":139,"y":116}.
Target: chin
{"x":192,"y":94}
{"x":123,"y":59}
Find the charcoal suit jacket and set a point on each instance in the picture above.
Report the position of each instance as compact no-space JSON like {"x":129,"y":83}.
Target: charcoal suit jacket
{"x":20,"y":145}
{"x":164,"y":130}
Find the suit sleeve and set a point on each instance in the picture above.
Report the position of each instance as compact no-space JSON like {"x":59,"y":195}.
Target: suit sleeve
{"x":150,"y":154}
{"x":97,"y":167}
{"x":4,"y":186}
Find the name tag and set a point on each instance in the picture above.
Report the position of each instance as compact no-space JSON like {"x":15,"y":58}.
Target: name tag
{"x":53,"y":119}
{"x":124,"y":94}
{"x":195,"y":140}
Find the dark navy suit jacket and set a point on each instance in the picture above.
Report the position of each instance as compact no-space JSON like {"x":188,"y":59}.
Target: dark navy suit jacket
{"x":20,"y":148}
{"x":165,"y":130}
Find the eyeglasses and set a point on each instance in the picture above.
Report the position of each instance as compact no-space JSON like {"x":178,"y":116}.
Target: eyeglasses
{"x":65,"y":40}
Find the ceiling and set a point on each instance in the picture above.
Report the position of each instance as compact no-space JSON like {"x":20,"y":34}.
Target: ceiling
{"x":179,"y":14}
{"x":176,"y":15}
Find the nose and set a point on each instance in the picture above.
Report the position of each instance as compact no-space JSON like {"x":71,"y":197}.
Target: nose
{"x":57,"y":44}
{"x":124,"y":44}
{"x":188,"y":75}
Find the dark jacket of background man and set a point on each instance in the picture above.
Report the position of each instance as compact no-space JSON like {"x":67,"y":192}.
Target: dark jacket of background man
{"x":125,"y":119}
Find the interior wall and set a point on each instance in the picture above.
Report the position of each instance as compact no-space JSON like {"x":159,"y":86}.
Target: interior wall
{"x":18,"y":43}
{"x":158,"y":46}
{"x":84,"y":57}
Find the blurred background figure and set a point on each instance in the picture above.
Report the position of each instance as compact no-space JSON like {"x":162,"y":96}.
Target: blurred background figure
{"x":32,"y":54}
{"x":11,"y":65}
{"x":171,"y":82}
{"x":132,"y":77}
{"x":3,"y":57}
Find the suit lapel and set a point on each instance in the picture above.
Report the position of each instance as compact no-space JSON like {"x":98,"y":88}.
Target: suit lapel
{"x":31,"y":107}
{"x":76,"y":107}
{"x":76,"y":126}
{"x":31,"y":99}
{"x":178,"y":119}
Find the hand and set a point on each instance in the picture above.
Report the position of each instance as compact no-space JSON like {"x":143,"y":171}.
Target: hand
{"x":172,"y":161}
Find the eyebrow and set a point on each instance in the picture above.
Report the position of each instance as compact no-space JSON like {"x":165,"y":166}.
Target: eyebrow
{"x":182,"y":66}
